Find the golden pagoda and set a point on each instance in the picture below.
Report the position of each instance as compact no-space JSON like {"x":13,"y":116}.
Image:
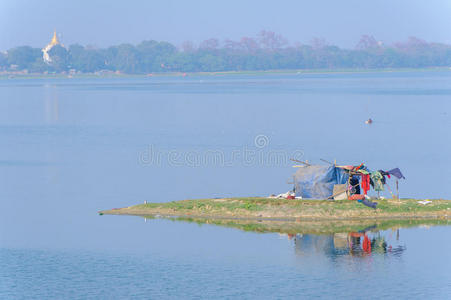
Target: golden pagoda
{"x":47,"y":48}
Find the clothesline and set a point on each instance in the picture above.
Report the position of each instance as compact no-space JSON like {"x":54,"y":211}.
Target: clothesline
{"x":375,"y":178}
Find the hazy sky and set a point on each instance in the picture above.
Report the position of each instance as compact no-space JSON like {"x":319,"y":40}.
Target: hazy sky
{"x":106,"y":22}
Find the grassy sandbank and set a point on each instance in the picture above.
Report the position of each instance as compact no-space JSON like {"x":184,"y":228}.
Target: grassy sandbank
{"x":283,"y":209}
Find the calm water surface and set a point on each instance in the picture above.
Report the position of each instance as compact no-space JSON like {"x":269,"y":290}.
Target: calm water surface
{"x":71,"y":147}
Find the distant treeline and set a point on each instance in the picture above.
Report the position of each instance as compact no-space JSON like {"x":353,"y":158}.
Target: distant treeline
{"x":267,"y":51}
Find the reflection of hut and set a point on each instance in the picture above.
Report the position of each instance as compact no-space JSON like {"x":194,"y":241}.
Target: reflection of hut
{"x":309,"y":244}
{"x":341,"y":240}
{"x":357,"y":243}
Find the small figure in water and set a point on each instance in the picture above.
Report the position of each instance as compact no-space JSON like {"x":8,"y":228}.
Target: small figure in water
{"x":369,"y":121}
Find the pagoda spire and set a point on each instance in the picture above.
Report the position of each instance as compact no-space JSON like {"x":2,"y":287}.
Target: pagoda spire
{"x":46,"y":49}
{"x":55,"y":40}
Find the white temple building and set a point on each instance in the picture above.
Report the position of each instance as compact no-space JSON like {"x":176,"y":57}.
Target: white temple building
{"x":46,"y":49}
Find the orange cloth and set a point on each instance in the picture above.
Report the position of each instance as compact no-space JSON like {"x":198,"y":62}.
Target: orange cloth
{"x":356,"y":197}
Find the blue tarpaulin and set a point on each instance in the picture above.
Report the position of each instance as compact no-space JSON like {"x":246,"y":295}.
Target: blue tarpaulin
{"x":317,"y":182}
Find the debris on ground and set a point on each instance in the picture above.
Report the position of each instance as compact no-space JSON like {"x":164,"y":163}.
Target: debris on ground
{"x":424,"y":202}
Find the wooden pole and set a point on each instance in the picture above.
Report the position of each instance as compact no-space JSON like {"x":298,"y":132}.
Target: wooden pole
{"x":389,"y":189}
{"x":300,"y":161}
{"x":326,"y":161}
{"x":348,"y":192}
{"x":397,"y":189}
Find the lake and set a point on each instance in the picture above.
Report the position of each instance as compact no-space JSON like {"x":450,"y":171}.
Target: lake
{"x":72,"y":147}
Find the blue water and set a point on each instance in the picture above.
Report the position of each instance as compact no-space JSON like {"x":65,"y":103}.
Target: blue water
{"x":71,"y":147}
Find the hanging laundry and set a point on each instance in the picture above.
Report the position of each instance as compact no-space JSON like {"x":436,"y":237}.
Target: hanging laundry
{"x":385,"y":173}
{"x":397,"y":173}
{"x":363,"y":171}
{"x":361,"y":166}
{"x":365,"y":183}
{"x":383,"y":177}
{"x":355,"y":188}
{"x":377,"y":178}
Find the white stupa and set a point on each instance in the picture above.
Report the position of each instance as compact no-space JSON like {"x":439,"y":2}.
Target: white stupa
{"x":46,"y":49}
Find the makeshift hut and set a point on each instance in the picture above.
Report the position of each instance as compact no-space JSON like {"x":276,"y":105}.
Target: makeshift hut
{"x":317,"y":181}
{"x":340,"y":182}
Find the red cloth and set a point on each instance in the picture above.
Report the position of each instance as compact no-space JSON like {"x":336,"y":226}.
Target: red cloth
{"x":357,"y":167}
{"x":365,"y":183}
{"x":357,"y":197}
{"x":366,"y":244}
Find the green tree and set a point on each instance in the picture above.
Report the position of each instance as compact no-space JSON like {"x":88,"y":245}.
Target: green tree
{"x":124,"y":58}
{"x":86,"y":60}
{"x":3,"y":60}
{"x":23,"y":56}
{"x":59,"y":58}
{"x":156,"y":56}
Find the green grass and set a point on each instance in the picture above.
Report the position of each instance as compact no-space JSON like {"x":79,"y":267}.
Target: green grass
{"x":319,"y":206}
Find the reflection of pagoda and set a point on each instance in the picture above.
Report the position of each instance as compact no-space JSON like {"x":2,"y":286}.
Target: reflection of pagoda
{"x":47,"y":48}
